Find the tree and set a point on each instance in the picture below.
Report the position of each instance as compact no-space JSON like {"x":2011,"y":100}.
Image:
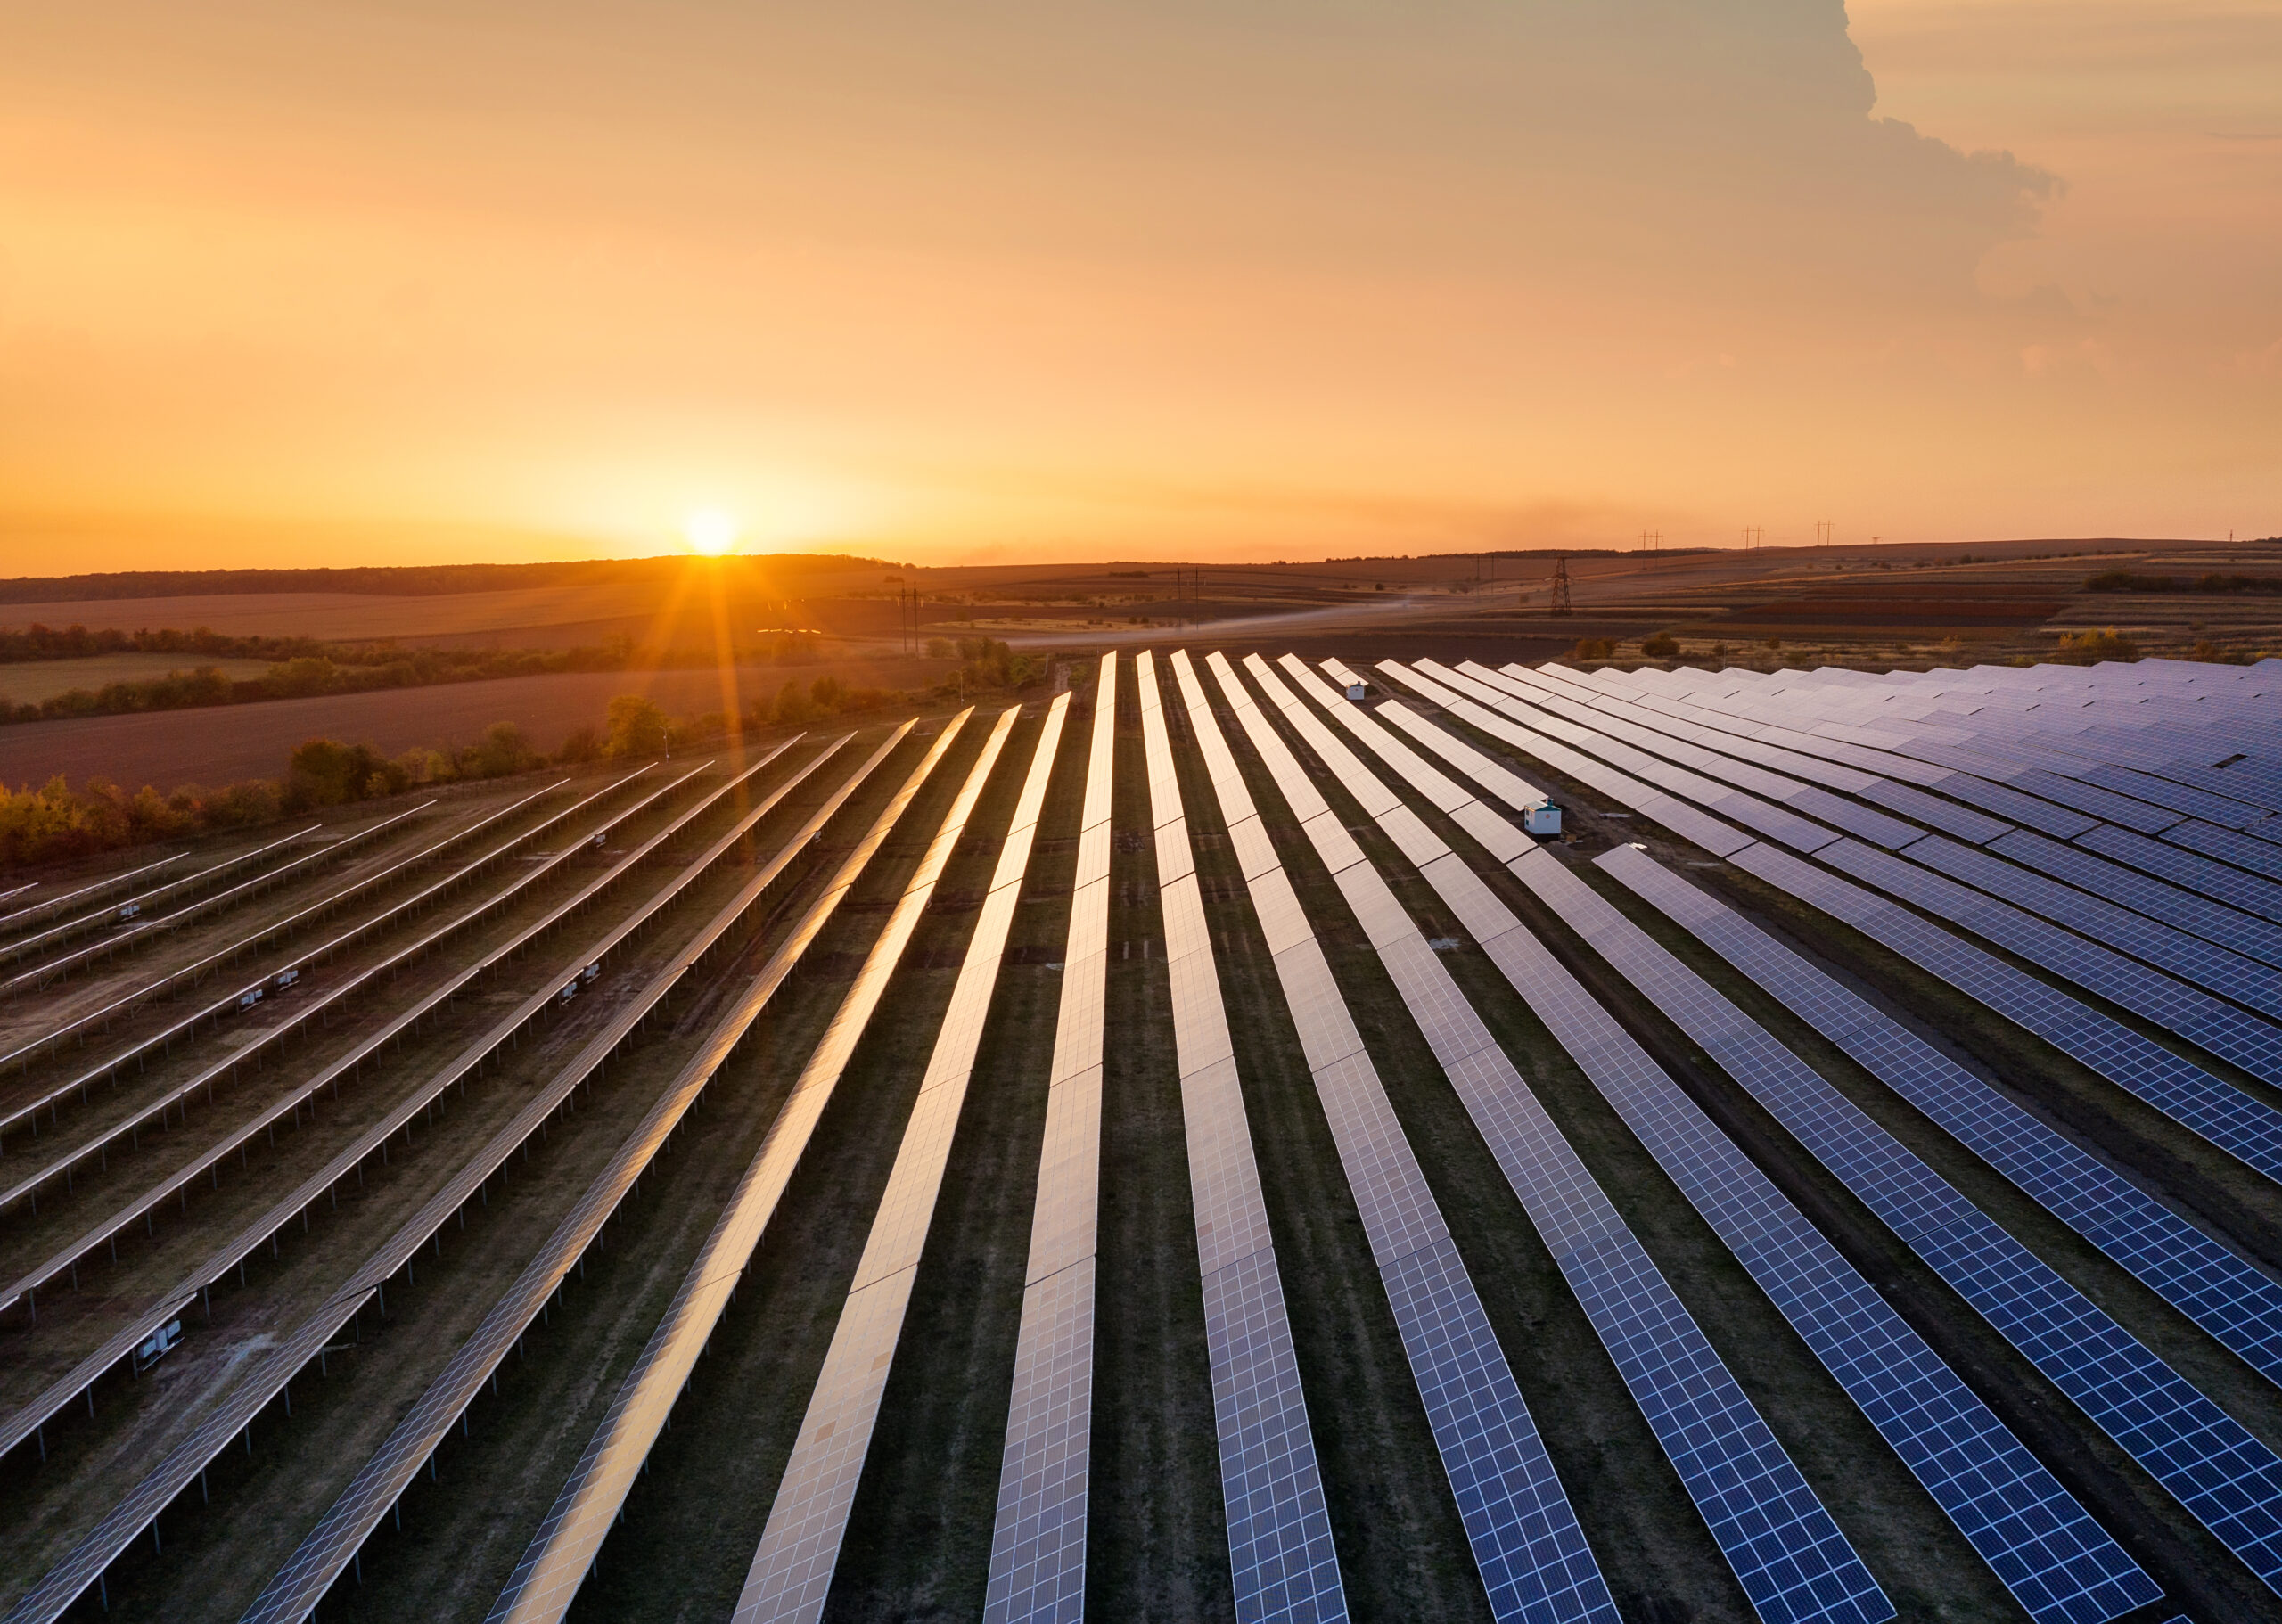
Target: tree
{"x":1664,"y":646}
{"x":637,"y":727}
{"x":793,"y":706}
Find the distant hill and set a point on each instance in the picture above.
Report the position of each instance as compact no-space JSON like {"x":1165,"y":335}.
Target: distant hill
{"x":415,"y":580}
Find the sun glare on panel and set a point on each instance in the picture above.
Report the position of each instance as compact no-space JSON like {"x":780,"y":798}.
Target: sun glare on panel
{"x":711,"y":531}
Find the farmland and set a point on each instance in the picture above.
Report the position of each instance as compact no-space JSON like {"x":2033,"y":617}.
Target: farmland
{"x":342,"y":1186}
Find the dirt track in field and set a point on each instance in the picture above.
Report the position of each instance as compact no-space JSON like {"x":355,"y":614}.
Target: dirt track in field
{"x":228,"y":742}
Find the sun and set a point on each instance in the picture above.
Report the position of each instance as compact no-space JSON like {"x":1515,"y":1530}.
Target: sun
{"x":711,"y":531}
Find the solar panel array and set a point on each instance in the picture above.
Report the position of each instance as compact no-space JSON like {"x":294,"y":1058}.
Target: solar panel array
{"x":202,"y":1165}
{"x":2216,"y":969}
{"x":799,"y":1549}
{"x":2225,"y":1478}
{"x":297,"y":1587}
{"x":1280,"y":1553}
{"x":2212,"y":878}
{"x":2176,"y":906}
{"x":2250,"y":1043}
{"x":1038,"y":1546}
{"x":2181,"y":1090}
{"x":36,"y":1414}
{"x":1527,"y":1546}
{"x":2172,"y":1084}
{"x":84,"y":1565}
{"x":562,"y":1550}
{"x":2228,"y":1032}
{"x":2229,"y":1298}
{"x":1789,"y":1555}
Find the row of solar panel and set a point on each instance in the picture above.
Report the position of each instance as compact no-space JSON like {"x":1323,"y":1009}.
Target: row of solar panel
{"x":34,"y":1417}
{"x":84,"y":1566}
{"x":1281,"y":1557}
{"x":2227,"y":1031}
{"x":1788,"y":1555}
{"x":793,"y":1567}
{"x":1527,"y":1548}
{"x":1038,"y":1547}
{"x":2225,"y":1477}
{"x":287,"y":1106}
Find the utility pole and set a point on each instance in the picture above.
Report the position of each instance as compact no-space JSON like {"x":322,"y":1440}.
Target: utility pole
{"x":1823,"y":530}
{"x":1561,"y":587}
{"x":907,"y":606}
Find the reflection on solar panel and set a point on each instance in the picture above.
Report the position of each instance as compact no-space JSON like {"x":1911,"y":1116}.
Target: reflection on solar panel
{"x":2186,"y":1093}
{"x":297,"y":1587}
{"x":31,"y":1417}
{"x":1037,"y":1549}
{"x":1532,"y":1555}
{"x":2210,"y":1285}
{"x":2227,"y":1032}
{"x":799,"y":1549}
{"x":2214,"y":922}
{"x":2218,"y":969}
{"x":563,"y":1550}
{"x":1280,"y":1553}
{"x":2224,"y":1477}
{"x":173,"y":1475}
{"x":1789,"y":1555}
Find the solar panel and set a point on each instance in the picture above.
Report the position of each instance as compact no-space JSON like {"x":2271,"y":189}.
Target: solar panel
{"x":2243,"y":850}
{"x":2207,"y":964}
{"x":2223,"y":1476}
{"x":302,"y":1583}
{"x":2188,"y":801}
{"x":2247,"y":1041}
{"x":1530,"y":1554}
{"x":1790,"y":1557}
{"x":1682,"y":819}
{"x":793,"y":1567}
{"x":1281,"y":1557}
{"x":2232,"y":1300}
{"x":2153,"y":897}
{"x":297,"y":1587}
{"x":2186,"y":1093}
{"x":2205,"y":874}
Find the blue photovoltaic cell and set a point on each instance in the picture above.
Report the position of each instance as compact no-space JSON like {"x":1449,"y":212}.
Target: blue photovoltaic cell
{"x":2106,"y":805}
{"x":2243,"y":850}
{"x":2214,"y":922}
{"x":2181,"y":1090}
{"x":2179,"y":798}
{"x":2216,"y":969}
{"x":1280,"y":1554}
{"x":2057,"y":1561}
{"x":2226,"y":1296}
{"x":2013,"y":806}
{"x":2223,"y":1476}
{"x":2250,"y":1043}
{"x":1532,"y":1555}
{"x":1934,"y":812}
{"x":2208,"y":876}
{"x":1792,"y":1560}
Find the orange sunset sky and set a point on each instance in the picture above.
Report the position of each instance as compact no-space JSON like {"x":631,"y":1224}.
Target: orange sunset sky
{"x":396,"y":280}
